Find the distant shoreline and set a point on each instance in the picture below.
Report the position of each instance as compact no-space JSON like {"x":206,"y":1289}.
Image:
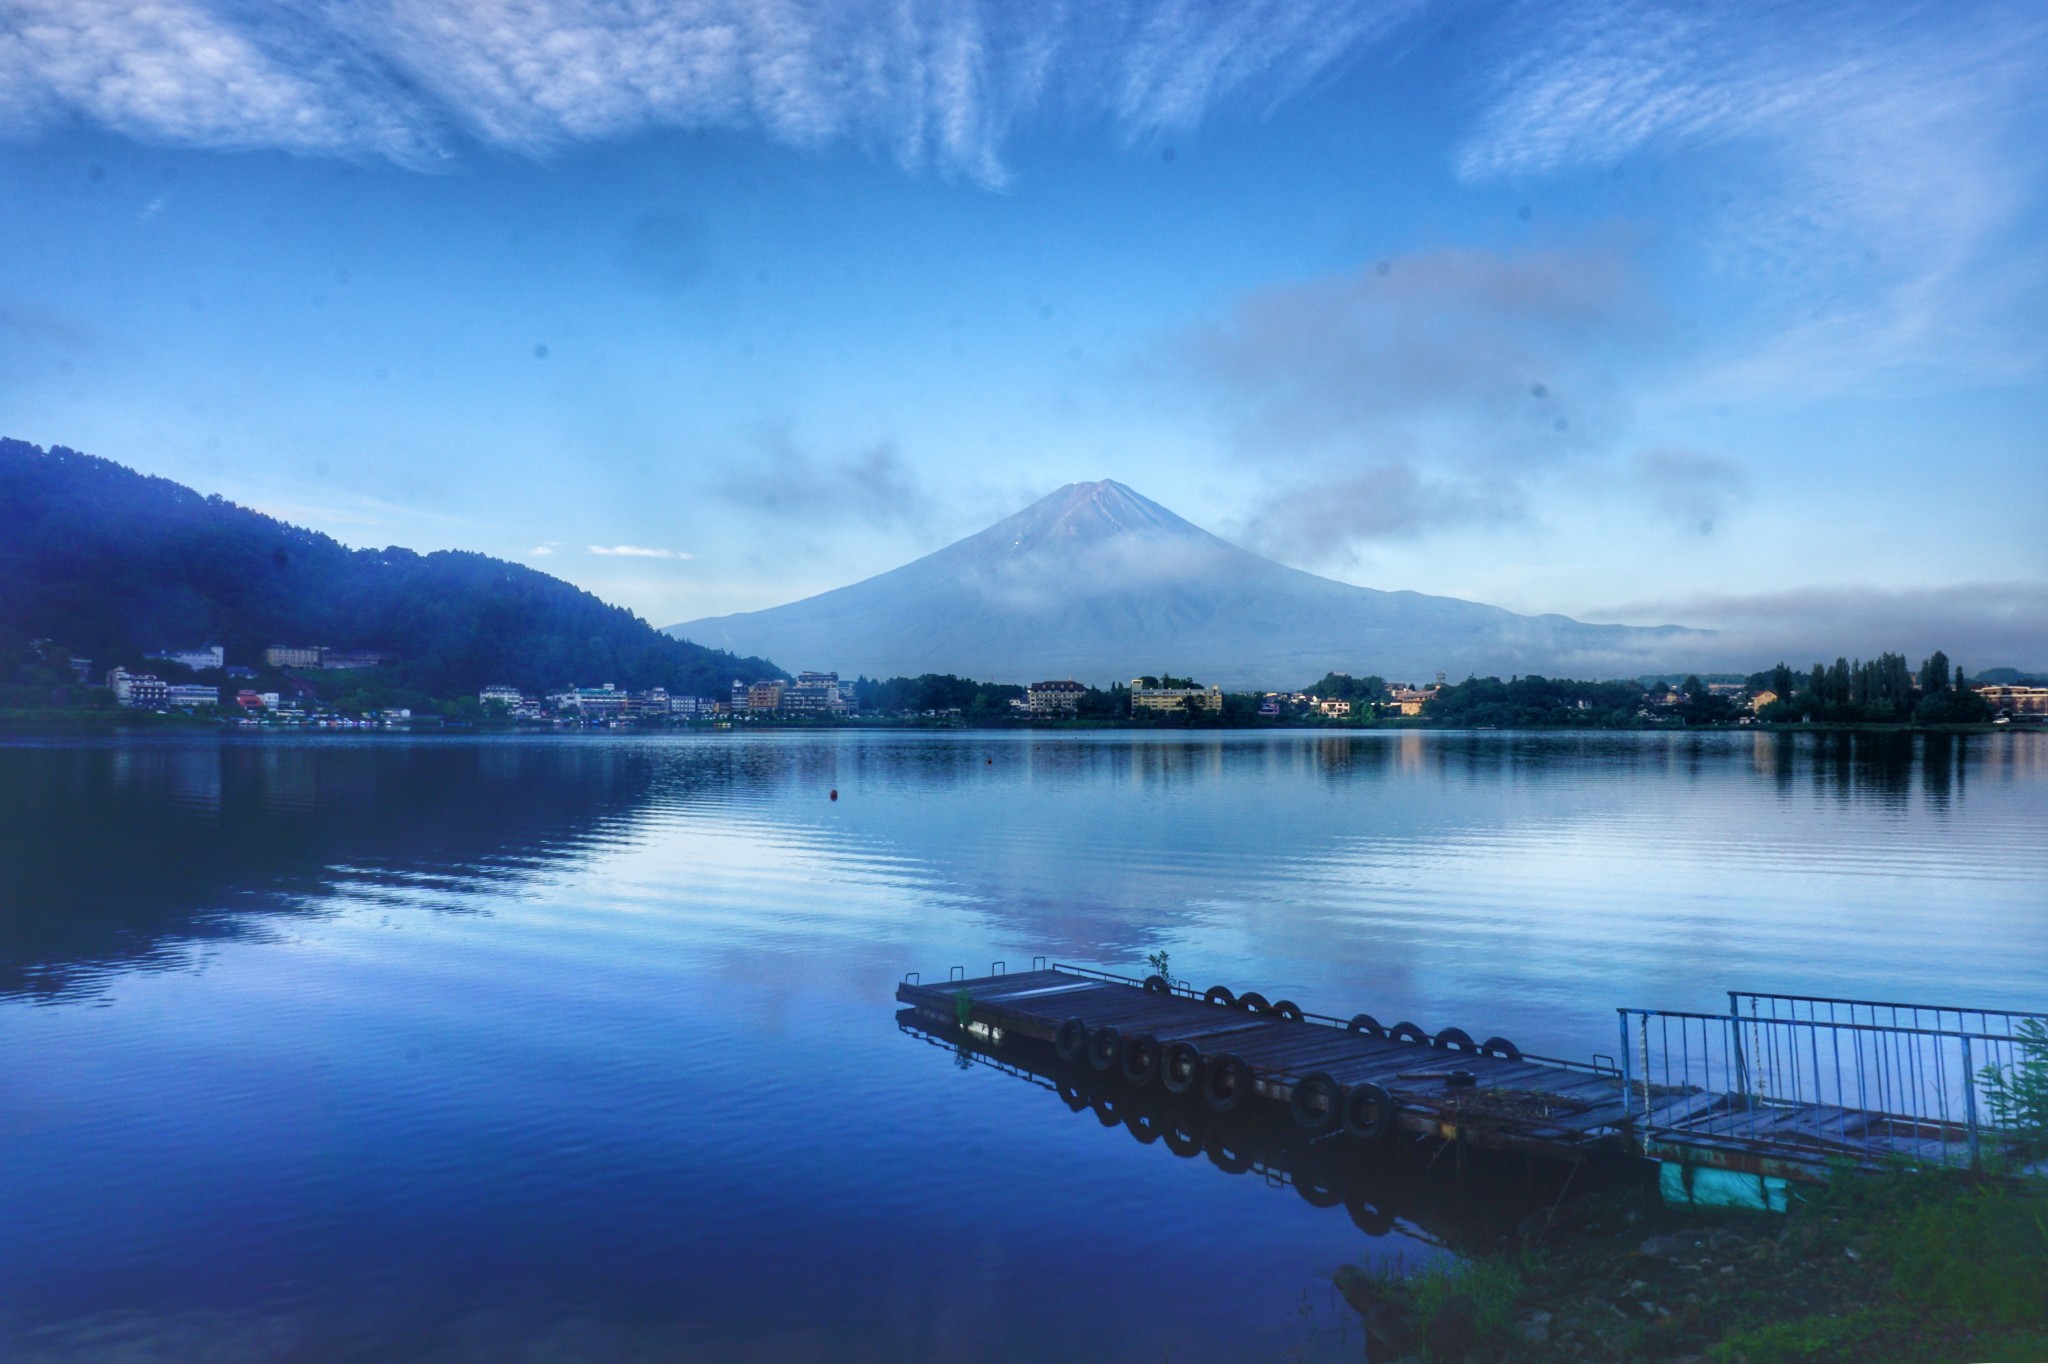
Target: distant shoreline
{"x":74,"y":723}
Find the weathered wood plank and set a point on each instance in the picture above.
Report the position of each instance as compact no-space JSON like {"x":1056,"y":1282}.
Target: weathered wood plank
{"x":1280,"y":1051}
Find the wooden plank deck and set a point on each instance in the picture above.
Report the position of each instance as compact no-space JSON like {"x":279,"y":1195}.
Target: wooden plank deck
{"x":1531,"y":1105}
{"x":1585,"y":1107}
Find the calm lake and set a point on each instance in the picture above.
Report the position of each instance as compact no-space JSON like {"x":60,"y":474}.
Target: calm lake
{"x":563,"y":1048}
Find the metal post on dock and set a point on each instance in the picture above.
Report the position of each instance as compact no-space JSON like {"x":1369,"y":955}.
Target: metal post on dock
{"x":1736,"y":1053}
{"x":1627,"y":1081}
{"x":1970,"y":1101}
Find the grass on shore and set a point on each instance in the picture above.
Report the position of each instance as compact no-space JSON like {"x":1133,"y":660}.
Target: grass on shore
{"x":1923,"y":1267}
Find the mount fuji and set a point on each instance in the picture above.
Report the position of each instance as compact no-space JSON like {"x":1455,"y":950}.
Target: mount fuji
{"x":1099,"y":583}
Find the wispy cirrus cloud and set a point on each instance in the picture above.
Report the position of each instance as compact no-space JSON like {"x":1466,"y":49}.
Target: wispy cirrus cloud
{"x":933,"y":84}
{"x":196,"y":74}
{"x":637,"y":552}
{"x":1872,"y":163}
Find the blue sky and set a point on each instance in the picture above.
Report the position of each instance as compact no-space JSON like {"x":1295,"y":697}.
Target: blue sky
{"x":1633,"y":312}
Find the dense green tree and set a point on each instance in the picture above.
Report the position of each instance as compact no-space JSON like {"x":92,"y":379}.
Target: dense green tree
{"x":1345,"y":687}
{"x":1114,"y":704}
{"x":1934,"y":673}
{"x":935,"y":692}
{"x":1952,"y":706}
{"x":112,"y":564}
{"x":1883,"y":690}
{"x":1535,"y":703}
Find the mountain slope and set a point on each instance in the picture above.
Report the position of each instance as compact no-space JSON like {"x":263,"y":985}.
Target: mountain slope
{"x":111,"y":563}
{"x":1097,"y":582}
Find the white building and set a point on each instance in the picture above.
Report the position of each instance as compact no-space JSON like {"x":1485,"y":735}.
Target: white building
{"x":1054,"y":698}
{"x":814,"y":694}
{"x":189,"y":696}
{"x":144,"y":691}
{"x":198,"y":660}
{"x":508,"y":697}
{"x":592,"y":703}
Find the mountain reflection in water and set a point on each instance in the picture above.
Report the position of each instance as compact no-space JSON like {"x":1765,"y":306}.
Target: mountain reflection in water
{"x":584,"y":1047}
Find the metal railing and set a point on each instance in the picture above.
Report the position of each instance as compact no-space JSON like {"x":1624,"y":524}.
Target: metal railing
{"x":1813,"y":1087}
{"x":1881,"y":1013}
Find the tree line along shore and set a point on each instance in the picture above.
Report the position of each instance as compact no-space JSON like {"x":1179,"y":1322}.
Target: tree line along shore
{"x":45,"y":686}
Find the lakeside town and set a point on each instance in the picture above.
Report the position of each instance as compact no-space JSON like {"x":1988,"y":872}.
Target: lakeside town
{"x":294,"y":686}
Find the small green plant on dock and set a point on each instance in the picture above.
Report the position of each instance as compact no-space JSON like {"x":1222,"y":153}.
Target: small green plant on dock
{"x":1161,"y":965}
{"x":2018,"y":1098}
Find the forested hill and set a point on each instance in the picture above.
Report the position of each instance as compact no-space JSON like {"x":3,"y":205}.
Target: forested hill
{"x":110,"y":564}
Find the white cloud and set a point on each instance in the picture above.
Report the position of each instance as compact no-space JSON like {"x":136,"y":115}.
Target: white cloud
{"x":1981,"y":624}
{"x":1417,"y":393}
{"x":1872,"y":164}
{"x":637,"y":552}
{"x":179,"y":71}
{"x":934,"y":83}
{"x":790,"y":482}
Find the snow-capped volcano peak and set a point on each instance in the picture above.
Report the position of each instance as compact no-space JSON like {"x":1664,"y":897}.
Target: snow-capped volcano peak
{"x":1098,"y":582}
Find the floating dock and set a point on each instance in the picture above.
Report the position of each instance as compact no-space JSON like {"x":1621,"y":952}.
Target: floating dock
{"x":1760,"y":1096}
{"x":1462,"y":1206}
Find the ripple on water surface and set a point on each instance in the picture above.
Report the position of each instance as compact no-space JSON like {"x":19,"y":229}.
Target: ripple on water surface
{"x":577,"y":1048}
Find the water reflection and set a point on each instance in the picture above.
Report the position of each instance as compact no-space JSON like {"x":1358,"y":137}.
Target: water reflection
{"x":1465,"y":1204}
{"x":580,"y":1047}
{"x":1100,"y":848}
{"x":121,"y":857}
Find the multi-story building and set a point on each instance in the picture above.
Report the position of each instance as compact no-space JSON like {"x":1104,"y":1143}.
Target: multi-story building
{"x":1411,"y":699}
{"x":190,"y":696}
{"x":2016,"y":700}
{"x":1053,"y":699}
{"x":293,"y":656}
{"x":143,"y":691}
{"x":814,"y":694}
{"x":205,"y":657}
{"x":502,"y":695}
{"x":338,"y":659}
{"x":1333,"y":707}
{"x":764,"y":697}
{"x":592,"y":703}
{"x":738,"y":700}
{"x":1163,"y":699}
